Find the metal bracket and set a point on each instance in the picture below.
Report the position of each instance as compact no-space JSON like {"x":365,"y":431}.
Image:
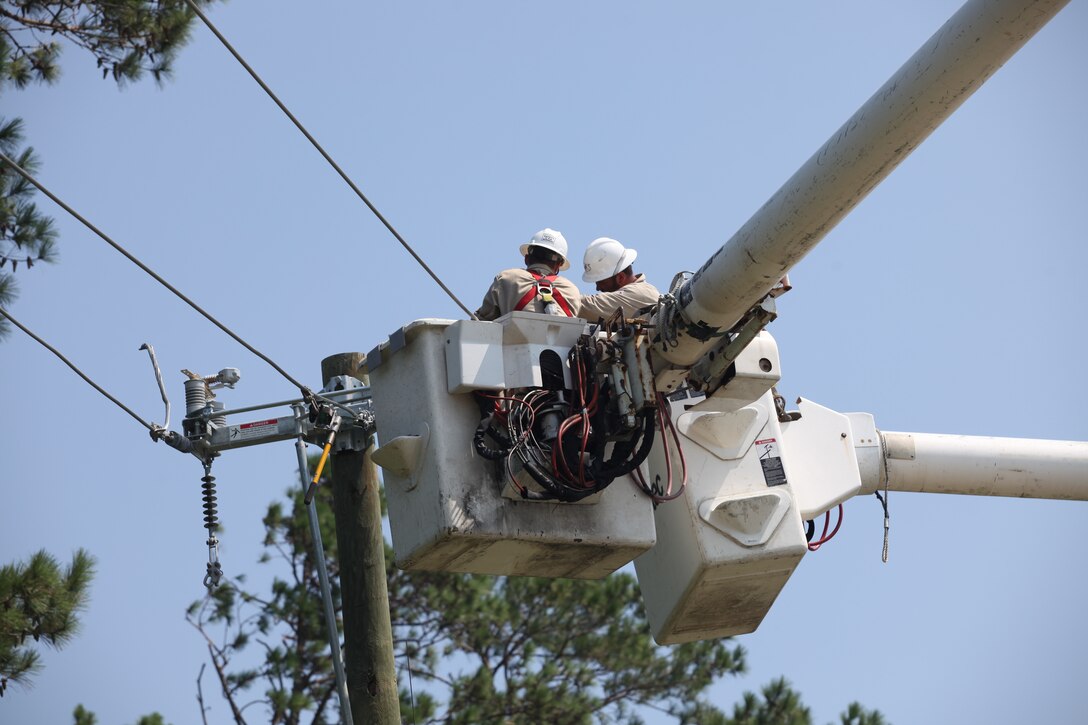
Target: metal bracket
{"x":353,"y":402}
{"x":709,"y":373}
{"x":356,"y":436}
{"x":353,"y":439}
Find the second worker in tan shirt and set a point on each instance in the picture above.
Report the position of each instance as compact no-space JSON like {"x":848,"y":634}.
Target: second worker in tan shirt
{"x":609,"y":265}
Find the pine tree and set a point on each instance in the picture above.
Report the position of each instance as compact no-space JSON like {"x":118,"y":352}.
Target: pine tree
{"x":542,"y":650}
{"x":26,"y":235}
{"x":857,"y":715}
{"x":83,"y":716}
{"x":473,"y":648}
{"x":779,"y":705}
{"x":39,"y":602}
{"x":127,"y":38}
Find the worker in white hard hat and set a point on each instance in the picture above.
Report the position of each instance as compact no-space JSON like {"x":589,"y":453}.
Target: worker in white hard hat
{"x":538,"y":287}
{"x":608,"y":264}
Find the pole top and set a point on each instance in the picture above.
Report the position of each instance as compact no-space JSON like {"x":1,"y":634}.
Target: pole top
{"x":345,"y":363}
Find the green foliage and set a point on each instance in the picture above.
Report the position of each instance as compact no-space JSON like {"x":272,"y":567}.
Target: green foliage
{"x":539,"y":650}
{"x":857,"y":715}
{"x":778,"y":705}
{"x":126,"y":37}
{"x":550,"y":650}
{"x":83,"y":716}
{"x":26,"y":235}
{"x":39,"y":601}
{"x":474,"y":649}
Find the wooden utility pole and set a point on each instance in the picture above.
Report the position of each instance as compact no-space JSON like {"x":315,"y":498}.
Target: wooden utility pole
{"x":368,"y":635}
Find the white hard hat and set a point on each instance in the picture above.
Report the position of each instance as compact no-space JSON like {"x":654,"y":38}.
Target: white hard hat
{"x":549,"y":239}
{"x":606,"y":258}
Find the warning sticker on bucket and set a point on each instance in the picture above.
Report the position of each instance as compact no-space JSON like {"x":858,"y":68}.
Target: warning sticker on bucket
{"x":773,"y":472}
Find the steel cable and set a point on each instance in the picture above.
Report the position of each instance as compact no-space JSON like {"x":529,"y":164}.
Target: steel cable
{"x":77,"y":371}
{"x":22,"y":172}
{"x":326,"y":156}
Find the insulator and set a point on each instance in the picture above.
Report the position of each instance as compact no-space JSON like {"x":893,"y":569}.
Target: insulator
{"x":218,"y":421}
{"x":196,"y":396}
{"x":177,"y":441}
{"x":211,"y":510}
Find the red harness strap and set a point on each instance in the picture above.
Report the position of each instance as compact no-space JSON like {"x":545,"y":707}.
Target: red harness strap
{"x":550,"y":285}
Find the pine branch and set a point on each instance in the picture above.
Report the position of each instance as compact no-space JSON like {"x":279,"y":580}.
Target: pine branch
{"x":52,"y":27}
{"x":239,"y":719}
{"x":200,"y":694}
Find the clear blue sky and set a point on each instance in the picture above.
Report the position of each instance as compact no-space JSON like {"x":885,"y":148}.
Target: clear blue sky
{"x":949,"y":301}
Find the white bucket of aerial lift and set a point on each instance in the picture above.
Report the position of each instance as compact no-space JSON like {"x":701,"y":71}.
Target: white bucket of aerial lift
{"x":446,"y":509}
{"x":728,"y":545}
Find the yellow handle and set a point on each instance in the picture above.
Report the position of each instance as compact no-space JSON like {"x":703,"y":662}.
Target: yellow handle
{"x":321,"y":463}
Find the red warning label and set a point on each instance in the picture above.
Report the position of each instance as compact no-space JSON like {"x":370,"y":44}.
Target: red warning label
{"x":256,"y":429}
{"x":259,"y":424}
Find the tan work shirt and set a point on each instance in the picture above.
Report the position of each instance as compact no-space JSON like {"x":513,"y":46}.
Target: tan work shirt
{"x":630,"y":298}
{"x":510,"y":286}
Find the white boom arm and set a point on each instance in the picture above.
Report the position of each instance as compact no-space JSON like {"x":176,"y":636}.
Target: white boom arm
{"x":977,"y":465}
{"x":926,"y":90}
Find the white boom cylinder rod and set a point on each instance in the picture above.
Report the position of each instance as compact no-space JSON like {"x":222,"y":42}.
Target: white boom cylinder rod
{"x":925,"y":91}
{"x":980,"y":466}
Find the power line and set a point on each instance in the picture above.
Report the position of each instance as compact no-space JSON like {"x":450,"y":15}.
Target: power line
{"x":22,"y":172}
{"x":78,"y":372}
{"x":327,"y":157}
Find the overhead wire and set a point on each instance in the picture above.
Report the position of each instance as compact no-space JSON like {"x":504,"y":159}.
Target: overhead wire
{"x":77,"y":371}
{"x":132,"y":258}
{"x":336,"y":167}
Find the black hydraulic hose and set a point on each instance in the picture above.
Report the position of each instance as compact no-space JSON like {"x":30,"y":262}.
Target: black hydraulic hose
{"x":557,"y":489}
{"x":546,"y":481}
{"x":629,"y":463}
{"x":482,"y":449}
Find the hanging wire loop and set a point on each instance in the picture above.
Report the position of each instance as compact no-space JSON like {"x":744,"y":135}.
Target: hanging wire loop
{"x":157,"y":431}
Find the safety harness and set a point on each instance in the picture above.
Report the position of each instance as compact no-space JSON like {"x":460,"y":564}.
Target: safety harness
{"x":544,"y":285}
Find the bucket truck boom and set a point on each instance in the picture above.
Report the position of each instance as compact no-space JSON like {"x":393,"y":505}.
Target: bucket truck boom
{"x":725,"y":550}
{"x":472,"y":415}
{"x":976,"y":41}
